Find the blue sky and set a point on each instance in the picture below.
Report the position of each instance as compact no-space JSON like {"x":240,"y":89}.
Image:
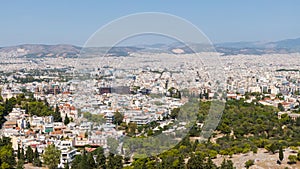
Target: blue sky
{"x":72,"y":22}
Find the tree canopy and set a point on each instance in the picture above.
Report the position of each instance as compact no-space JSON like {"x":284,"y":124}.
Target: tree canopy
{"x":51,"y":156}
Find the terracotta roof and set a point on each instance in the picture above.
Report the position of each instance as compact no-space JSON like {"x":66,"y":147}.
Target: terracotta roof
{"x":90,"y":149}
{"x":29,"y":132}
{"x":56,"y":132}
{"x":11,"y":123}
{"x":98,"y":132}
{"x":67,"y":105}
{"x":285,"y":103}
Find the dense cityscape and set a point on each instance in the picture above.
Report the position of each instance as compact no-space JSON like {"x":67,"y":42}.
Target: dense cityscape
{"x":150,"y":84}
{"x":45,"y":103}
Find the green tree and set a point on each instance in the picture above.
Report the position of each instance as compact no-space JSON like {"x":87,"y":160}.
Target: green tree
{"x":118,"y":118}
{"x":280,"y":153}
{"x":292,"y":159}
{"x":22,"y":156}
{"x":36,"y":153}
{"x":298,"y":121}
{"x":29,"y":154}
{"x":56,"y":115}
{"x":174,"y":113}
{"x":195,"y":162}
{"x":18,"y":153}
{"x":5,"y":165}
{"x":101,"y":159}
{"x":118,"y":161}
{"x":271,"y":147}
{"x":83,"y":163}
{"x":131,"y":128}
{"x":280,"y":107}
{"x":139,"y":163}
{"x":20,"y":164}
{"x":91,"y":161}
{"x":7,"y":158}
{"x":76,"y":162}
{"x":67,"y":120}
{"x":51,"y":156}
{"x":37,"y":162}
{"x":227,"y":164}
{"x":114,"y":161}
{"x":179,"y":163}
{"x":67,"y":166}
{"x":249,"y":163}
{"x":210,"y":164}
{"x":36,"y":159}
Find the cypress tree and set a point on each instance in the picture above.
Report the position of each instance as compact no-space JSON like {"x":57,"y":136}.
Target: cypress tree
{"x":36,"y":158}
{"x":19,"y":153}
{"x":36,"y":153}
{"x":56,"y":116}
{"x":67,"y":120}
{"x":22,"y":157}
{"x":280,"y":153}
{"x":29,"y":154}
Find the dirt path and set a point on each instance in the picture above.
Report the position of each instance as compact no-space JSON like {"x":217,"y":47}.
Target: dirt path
{"x":262,"y":160}
{"x":30,"y":166}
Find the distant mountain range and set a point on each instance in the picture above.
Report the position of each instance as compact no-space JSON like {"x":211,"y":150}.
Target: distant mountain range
{"x":40,"y":50}
{"x":229,"y":48}
{"x":283,"y":46}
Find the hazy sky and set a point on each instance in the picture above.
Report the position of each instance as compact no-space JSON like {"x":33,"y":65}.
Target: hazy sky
{"x":73,"y":22}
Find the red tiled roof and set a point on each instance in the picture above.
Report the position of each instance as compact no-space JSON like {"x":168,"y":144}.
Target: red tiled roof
{"x":90,"y":149}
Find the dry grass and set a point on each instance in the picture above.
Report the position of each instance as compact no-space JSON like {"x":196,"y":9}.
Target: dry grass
{"x":262,"y":160}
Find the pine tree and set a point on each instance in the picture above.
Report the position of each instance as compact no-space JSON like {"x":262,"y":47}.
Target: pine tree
{"x":37,"y":162}
{"x":118,"y":118}
{"x":51,"y":156}
{"x":83,"y":163}
{"x":20,"y":164}
{"x":91,"y":161}
{"x":195,"y":162}
{"x":210,"y":164}
{"x":76,"y":162}
{"x":227,"y":164}
{"x":118,"y":161}
{"x":180,"y":162}
{"x":110,"y":163}
{"x":101,"y":159}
